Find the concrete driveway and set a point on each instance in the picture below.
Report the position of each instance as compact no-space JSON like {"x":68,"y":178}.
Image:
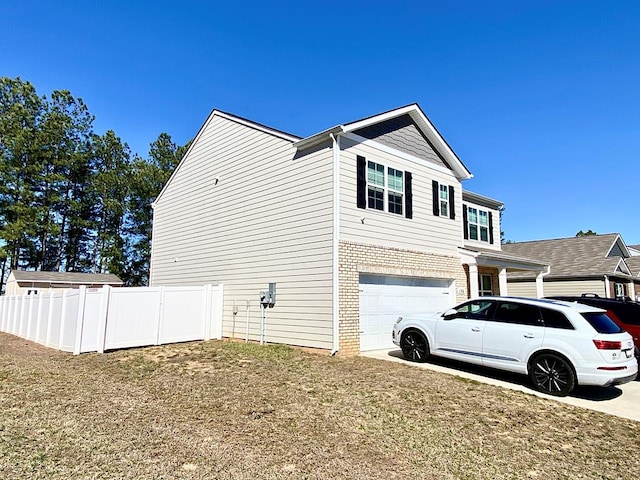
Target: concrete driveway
{"x":621,"y":400}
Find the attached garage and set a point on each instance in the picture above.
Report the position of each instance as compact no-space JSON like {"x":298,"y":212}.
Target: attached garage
{"x":384,"y":298}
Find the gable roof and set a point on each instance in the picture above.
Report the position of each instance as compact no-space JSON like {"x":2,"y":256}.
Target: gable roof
{"x":413,"y":110}
{"x":634,"y":265}
{"x":66,"y":277}
{"x":592,"y":255}
{"x":417,"y":115}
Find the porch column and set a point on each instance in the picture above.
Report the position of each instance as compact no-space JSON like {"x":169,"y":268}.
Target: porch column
{"x":474,"y":289}
{"x":540,"y":284}
{"x":631,"y":291}
{"x":502,"y":282}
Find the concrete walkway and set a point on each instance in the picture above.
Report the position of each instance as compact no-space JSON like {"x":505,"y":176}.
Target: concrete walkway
{"x":621,"y":400}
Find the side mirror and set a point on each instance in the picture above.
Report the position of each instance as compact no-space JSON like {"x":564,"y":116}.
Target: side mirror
{"x":450,"y":314}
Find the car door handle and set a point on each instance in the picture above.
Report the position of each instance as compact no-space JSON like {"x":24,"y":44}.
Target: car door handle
{"x":475,"y":329}
{"x":529,"y":335}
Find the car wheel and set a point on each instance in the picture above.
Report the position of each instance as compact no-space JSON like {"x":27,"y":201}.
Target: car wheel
{"x":415,"y":346}
{"x":552,"y":374}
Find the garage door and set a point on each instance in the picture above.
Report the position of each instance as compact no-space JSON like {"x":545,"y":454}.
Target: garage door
{"x":383,"y":299}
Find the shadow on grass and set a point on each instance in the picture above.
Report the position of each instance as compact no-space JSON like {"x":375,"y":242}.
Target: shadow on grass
{"x":595,"y":394}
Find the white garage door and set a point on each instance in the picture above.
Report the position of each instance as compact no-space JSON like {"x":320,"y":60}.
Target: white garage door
{"x":383,"y":299}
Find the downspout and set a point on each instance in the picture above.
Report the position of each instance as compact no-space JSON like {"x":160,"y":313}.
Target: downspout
{"x":153,"y":228}
{"x":335,"y":247}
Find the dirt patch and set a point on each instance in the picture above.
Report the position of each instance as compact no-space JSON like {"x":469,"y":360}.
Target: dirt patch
{"x":230,"y":410}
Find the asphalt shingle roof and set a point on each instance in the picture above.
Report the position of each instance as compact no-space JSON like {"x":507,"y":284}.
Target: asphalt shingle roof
{"x":66,"y":277}
{"x":573,"y":256}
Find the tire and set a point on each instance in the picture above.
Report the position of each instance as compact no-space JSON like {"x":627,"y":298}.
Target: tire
{"x":415,"y":346}
{"x":552,"y":374}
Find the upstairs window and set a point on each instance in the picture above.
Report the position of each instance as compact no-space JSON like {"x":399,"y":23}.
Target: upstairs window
{"x":384,"y":188}
{"x":444,"y":201}
{"x":375,"y":186}
{"x":478,"y":224}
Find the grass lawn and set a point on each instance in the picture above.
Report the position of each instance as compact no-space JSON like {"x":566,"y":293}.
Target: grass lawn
{"x":226,"y":410}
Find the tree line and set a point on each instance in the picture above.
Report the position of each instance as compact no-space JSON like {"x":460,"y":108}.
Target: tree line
{"x":72,"y":200}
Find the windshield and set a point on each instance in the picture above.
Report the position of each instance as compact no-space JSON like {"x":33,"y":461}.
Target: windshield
{"x":602,"y":323}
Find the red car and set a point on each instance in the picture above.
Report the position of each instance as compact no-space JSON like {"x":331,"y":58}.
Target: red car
{"x":625,"y":313}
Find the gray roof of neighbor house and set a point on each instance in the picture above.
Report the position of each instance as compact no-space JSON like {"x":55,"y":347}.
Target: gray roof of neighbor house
{"x":634,"y":265}
{"x":587,"y":256}
{"x":67,"y":277}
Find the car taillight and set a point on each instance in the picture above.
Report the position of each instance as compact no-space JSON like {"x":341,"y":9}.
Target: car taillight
{"x":607,"y":345}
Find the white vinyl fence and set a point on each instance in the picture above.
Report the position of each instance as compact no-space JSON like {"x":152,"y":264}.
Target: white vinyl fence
{"x":95,"y":320}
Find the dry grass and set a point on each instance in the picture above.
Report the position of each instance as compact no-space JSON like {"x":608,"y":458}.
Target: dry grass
{"x":232,"y":411}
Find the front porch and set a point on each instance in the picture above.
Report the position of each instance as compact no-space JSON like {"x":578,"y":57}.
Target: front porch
{"x":487,"y":271}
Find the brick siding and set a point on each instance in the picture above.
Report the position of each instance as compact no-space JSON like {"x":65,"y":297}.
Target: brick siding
{"x":355,"y":259}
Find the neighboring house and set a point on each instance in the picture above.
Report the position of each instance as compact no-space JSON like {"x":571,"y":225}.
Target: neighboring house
{"x":354,"y":225}
{"x":634,"y":250}
{"x":23,"y":282}
{"x":599,"y":264}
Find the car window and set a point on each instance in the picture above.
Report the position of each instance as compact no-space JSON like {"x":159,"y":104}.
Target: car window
{"x":555,"y":319}
{"x":627,"y":313}
{"x":477,"y":310}
{"x":602,"y":323}
{"x":519,"y":313}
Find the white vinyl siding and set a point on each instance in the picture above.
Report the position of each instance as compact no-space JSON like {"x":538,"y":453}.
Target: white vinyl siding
{"x":551,"y":288}
{"x":424,"y":232}
{"x":268,"y":219}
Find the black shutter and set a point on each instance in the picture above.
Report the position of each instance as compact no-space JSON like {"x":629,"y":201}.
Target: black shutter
{"x":465,"y":223}
{"x":408,"y":196}
{"x":490,"y":228}
{"x":436,"y":198}
{"x":452,"y":205}
{"x":362,"y":182}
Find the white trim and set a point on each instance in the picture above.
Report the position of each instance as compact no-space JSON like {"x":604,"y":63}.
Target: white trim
{"x":335,"y":284}
{"x":398,"y":153}
{"x":623,"y":246}
{"x":622,"y":262}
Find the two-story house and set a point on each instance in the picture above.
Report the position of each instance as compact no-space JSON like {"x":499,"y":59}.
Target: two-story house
{"x":351,"y":227}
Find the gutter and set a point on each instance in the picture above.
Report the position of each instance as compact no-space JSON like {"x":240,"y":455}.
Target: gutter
{"x":335,"y":244}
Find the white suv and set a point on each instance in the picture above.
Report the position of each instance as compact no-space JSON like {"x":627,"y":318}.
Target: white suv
{"x":558,"y":344}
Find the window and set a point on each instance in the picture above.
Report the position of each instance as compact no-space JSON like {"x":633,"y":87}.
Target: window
{"x":485,"y":285}
{"x":478,"y":224}
{"x":518,"y":313}
{"x":619,"y":290}
{"x":444,"y":201}
{"x":476,"y":310}
{"x":385,"y":187}
{"x":375,"y":183}
{"x":555,"y":319}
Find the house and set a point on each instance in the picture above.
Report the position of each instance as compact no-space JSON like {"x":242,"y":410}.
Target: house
{"x":23,"y":282}
{"x":338,"y":233}
{"x":599,"y":264}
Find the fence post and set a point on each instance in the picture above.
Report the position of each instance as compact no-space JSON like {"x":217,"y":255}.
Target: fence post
{"x":3,"y":317}
{"x":39,"y":318}
{"x":47,"y":340}
{"x":21,"y":322}
{"x":160,"y":317}
{"x":208,"y":313}
{"x":63,"y":318}
{"x":30,"y":315}
{"x":102,"y":320}
{"x":77,"y":346}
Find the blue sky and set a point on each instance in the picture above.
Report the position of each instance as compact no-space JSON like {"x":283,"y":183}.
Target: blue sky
{"x":539,"y":99}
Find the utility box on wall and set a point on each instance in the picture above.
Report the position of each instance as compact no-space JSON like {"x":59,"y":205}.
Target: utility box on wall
{"x":268,"y":297}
